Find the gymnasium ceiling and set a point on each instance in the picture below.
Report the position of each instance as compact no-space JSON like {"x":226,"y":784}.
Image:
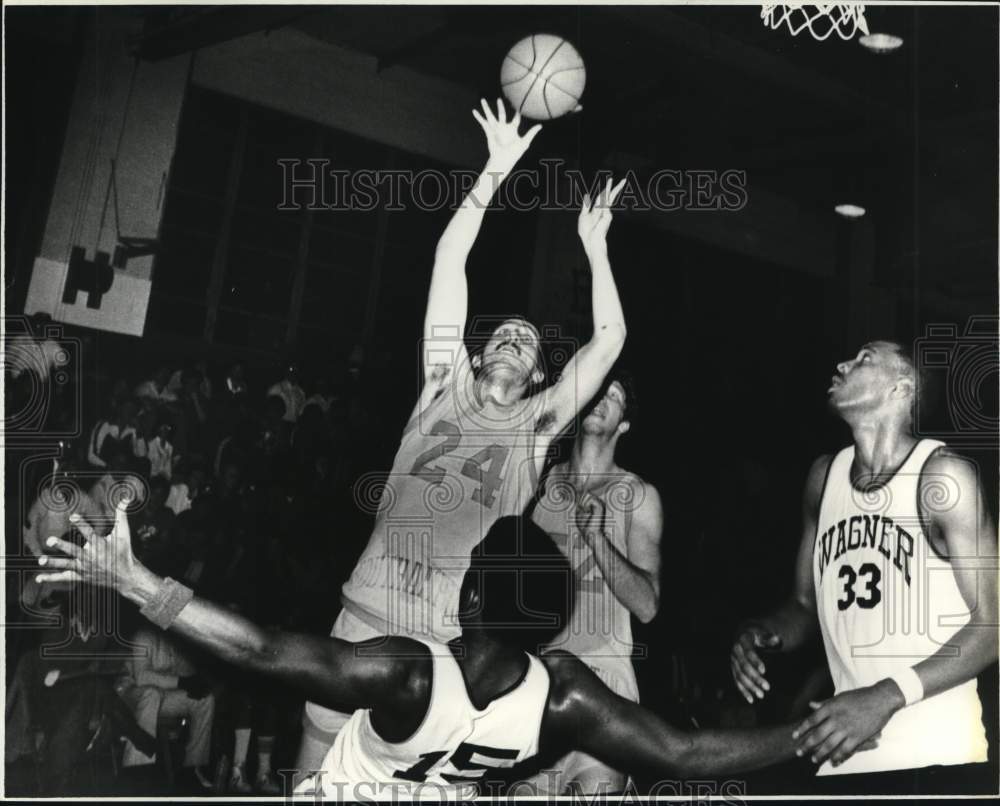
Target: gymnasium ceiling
{"x":911,"y":135}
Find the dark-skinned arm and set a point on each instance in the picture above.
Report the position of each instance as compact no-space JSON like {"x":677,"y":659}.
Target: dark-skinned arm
{"x":584,"y":714}
{"x":329,"y":671}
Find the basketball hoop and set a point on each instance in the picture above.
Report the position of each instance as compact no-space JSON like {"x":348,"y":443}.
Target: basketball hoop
{"x":823,"y":20}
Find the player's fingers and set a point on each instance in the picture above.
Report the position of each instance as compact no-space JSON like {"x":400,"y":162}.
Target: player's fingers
{"x":756,"y":679}
{"x":61,"y":576}
{"x":121,"y":514}
{"x":810,"y":722}
{"x":765,"y":640}
{"x":487,"y":112}
{"x":501,"y":111}
{"x":746,"y":695}
{"x":64,"y":546}
{"x":748,"y":683}
{"x":56,"y":563}
{"x":742,"y":684}
{"x":616,"y":190}
{"x":532,"y":132}
{"x":808,"y":739}
{"x":479,"y":119}
{"x":745,"y":651}
{"x":822,"y":752}
{"x":82,"y":526}
{"x":843,"y":751}
{"x":870,"y":744}
{"x":747,"y":643}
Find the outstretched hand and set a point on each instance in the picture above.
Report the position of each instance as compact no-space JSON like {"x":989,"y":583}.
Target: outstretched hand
{"x":505,"y":144}
{"x":106,"y":561}
{"x":595,"y":215}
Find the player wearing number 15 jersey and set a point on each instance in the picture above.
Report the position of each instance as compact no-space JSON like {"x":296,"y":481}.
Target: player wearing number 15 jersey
{"x":475,"y":443}
{"x":430,"y":719}
{"x":897,"y":566}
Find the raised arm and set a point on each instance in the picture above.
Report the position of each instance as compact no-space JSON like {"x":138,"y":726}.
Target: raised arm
{"x":329,"y":671}
{"x":584,"y":373}
{"x":795,"y":622}
{"x":584,"y":714}
{"x":447,"y":302}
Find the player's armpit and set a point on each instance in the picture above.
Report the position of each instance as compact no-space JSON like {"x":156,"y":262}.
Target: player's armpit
{"x":581,"y":380}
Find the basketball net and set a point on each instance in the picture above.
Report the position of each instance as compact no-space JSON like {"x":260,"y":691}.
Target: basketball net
{"x":822,"y":20}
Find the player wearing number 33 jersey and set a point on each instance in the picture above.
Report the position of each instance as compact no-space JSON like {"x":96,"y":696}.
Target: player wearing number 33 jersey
{"x":474,"y":447}
{"x":886,"y":598}
{"x":897,"y":570}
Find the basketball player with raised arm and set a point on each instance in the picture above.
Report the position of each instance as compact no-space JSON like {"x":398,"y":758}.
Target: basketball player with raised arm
{"x":474,"y":446}
{"x":898,"y":562}
{"x":617,"y":574}
{"x":431,"y":719}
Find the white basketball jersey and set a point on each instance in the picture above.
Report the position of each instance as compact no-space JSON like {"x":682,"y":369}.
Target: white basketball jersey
{"x":454,"y":748}
{"x":887,"y":600}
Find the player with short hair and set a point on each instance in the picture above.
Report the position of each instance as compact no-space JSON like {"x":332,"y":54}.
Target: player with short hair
{"x":618,"y":573}
{"x":897,"y":566}
{"x":473,"y":449}
{"x":433,"y":718}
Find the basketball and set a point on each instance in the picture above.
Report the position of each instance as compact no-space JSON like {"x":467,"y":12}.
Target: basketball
{"x":543,"y":77}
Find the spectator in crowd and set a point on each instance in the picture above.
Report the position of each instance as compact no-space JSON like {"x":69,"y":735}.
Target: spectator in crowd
{"x":160,"y":682}
{"x":193,"y":412}
{"x":119,"y":430}
{"x":322,"y":396}
{"x":188,"y":483}
{"x":236,"y":382}
{"x":70,"y":677}
{"x":152,"y":526}
{"x":160,"y":451}
{"x":157,"y":388}
{"x":36,"y":352}
{"x":289,"y":390}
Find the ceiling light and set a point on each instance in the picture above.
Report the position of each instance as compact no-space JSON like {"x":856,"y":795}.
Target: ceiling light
{"x":850,"y":210}
{"x":881,"y":43}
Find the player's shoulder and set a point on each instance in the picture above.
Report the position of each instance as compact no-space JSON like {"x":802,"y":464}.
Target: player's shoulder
{"x":818,"y":471}
{"x":405,"y":665}
{"x":645,"y":492}
{"x":575,"y":692}
{"x":947,"y":463}
{"x":640,"y":496}
{"x":566,"y":671}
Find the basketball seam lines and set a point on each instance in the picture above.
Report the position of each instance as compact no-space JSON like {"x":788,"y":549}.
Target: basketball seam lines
{"x":555,"y":50}
{"x":534,"y":58}
{"x":531,"y":72}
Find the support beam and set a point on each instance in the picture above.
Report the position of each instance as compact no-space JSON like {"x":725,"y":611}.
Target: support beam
{"x":190,"y":30}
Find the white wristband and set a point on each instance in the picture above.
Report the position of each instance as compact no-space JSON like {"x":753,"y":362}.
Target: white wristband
{"x":909,"y":683}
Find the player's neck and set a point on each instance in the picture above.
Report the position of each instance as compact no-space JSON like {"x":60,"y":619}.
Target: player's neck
{"x":592,"y":455}
{"x":489,"y":668}
{"x":881,"y":444}
{"x":499,"y":391}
